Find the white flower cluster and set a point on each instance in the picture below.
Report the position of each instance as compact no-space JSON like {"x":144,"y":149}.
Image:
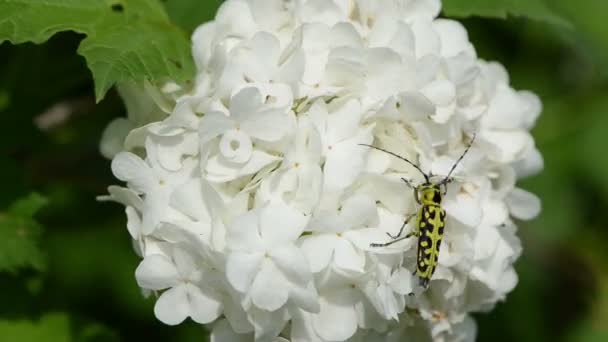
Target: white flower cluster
{"x":253,"y":204}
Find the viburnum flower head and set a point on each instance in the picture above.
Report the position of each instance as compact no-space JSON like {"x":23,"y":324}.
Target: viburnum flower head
{"x":253,"y":203}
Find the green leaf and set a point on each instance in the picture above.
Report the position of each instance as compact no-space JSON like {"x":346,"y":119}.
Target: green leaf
{"x":189,"y":14}
{"x":97,"y":333}
{"x":26,"y":207}
{"x":125,"y":39}
{"x":589,"y":17}
{"x":533,"y":9}
{"x":54,"y":327}
{"x":20,"y":236}
{"x":51,"y":327}
{"x":5,"y":99}
{"x":592,"y":149}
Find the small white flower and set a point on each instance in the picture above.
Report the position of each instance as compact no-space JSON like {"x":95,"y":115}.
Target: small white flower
{"x":332,"y":232}
{"x":249,"y":120}
{"x":152,"y":180}
{"x":263,"y":261}
{"x":341,"y":134}
{"x":184,"y":298}
{"x":299,"y":179}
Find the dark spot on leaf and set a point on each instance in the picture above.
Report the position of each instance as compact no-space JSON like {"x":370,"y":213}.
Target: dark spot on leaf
{"x":119,"y":8}
{"x":176,"y":63}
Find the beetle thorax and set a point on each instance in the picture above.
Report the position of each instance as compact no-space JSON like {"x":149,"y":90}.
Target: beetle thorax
{"x":430,"y":194}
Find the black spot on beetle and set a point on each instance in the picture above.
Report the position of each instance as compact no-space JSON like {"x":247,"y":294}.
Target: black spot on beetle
{"x":436,"y":196}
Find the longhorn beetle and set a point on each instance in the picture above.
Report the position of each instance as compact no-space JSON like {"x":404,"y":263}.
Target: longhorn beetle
{"x":430,"y":218}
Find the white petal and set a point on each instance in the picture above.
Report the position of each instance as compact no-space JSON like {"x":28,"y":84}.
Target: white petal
{"x":508,"y":145}
{"x":162,"y":129}
{"x":172,"y":150}
{"x":281,"y":224}
{"x":309,"y":188}
{"x":385,"y":73}
{"x":269,"y":290}
{"x":441,"y":93}
{"x":348,"y":257}
{"x":344,"y":123}
{"x":306,"y":298}
{"x":237,"y":317}
{"x":244,"y":103}
{"x":326,"y":12}
{"x":277,"y":95}
{"x":427,"y":40}
{"x":237,"y":17}
{"x":220,"y":170}
{"x":185,"y":262}
{"x":214,"y":124}
{"x":509,"y":109}
{"x":415,"y":106}
{"x":130,"y":168}
{"x":172,"y":307}
{"x":269,"y":125}
{"x":344,"y":67}
{"x":345,"y":34}
{"x":325,"y":324}
{"x":236,"y":146}
{"x":265,"y":50}
{"x":319,"y":249}
{"x":154,"y":208}
{"x":402,"y":281}
{"x":302,"y":329}
{"x":462,"y":68}
{"x":241,"y":269}
{"x":124,"y":196}
{"x":393,"y":33}
{"x":222,"y":332}
{"x":358,"y":211}
{"x":292,"y":262}
{"x":465,"y":331}
{"x":268,"y":325}
{"x":495,"y":212}
{"x":156,"y":272}
{"x":137,"y":138}
{"x":523,"y":204}
{"x":486,"y":240}
{"x":133,"y":223}
{"x":113,"y":137}
{"x":204,"y":308}
{"x":243,"y":233}
{"x":465,"y":209}
{"x":345,"y":162}
{"x":188,"y":199}
{"x":454,"y":37}
{"x":532,"y":106}
{"x":531,"y":163}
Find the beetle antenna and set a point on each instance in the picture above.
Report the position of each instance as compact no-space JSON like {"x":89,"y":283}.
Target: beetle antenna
{"x":446,"y":179}
{"x":426,"y":177}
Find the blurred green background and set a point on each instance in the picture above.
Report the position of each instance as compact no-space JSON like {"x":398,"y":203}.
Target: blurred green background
{"x":87,"y":276}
